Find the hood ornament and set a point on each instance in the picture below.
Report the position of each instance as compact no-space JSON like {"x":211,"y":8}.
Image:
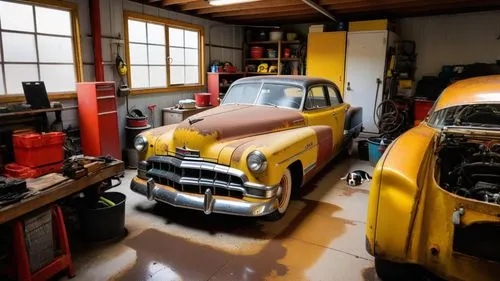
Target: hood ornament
{"x":192,"y":121}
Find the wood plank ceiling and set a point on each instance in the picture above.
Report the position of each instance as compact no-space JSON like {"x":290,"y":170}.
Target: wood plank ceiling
{"x":296,"y":11}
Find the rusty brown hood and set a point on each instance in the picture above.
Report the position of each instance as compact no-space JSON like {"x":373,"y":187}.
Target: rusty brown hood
{"x":211,"y":131}
{"x":231,"y":122}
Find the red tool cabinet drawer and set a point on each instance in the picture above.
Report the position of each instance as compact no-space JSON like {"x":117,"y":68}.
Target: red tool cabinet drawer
{"x":105,"y":89}
{"x":106,"y":104}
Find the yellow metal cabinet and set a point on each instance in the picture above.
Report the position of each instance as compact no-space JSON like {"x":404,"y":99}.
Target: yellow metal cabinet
{"x":326,"y":56}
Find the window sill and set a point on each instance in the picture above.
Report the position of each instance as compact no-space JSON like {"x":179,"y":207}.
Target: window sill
{"x":52,"y":97}
{"x":166,"y":90}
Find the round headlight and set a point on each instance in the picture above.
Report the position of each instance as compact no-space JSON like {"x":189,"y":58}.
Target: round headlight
{"x":256,"y":162}
{"x":140,"y":143}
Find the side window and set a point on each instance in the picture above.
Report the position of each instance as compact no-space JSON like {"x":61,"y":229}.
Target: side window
{"x":335,"y":98}
{"x":316,"y":98}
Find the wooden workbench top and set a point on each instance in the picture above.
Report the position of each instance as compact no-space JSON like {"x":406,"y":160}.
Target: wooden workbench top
{"x":60,"y":191}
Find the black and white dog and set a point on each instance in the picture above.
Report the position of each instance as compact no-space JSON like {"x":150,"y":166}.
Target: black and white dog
{"x":356,"y":177}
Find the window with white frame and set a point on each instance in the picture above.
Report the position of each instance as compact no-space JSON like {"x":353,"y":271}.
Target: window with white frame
{"x":36,"y":44}
{"x":162,"y":55}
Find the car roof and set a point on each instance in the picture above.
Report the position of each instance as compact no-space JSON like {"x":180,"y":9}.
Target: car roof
{"x":484,"y":89}
{"x":301,"y":81}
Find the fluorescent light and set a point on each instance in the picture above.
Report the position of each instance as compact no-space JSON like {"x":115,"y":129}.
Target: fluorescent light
{"x":228,"y":2}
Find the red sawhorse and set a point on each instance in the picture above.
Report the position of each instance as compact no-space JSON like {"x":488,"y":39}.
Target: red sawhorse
{"x":60,"y":263}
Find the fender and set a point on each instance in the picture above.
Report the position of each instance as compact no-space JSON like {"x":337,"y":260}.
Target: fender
{"x":397,"y":181}
{"x":307,"y":145}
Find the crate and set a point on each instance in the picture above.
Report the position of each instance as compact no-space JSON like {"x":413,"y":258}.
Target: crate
{"x":35,"y":150}
{"x":39,"y":239}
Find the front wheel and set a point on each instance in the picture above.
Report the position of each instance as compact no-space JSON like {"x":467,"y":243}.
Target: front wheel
{"x":284,"y":195}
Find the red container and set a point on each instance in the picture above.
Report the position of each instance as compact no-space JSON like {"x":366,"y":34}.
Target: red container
{"x":286,"y":53}
{"x":18,"y":171}
{"x":421,"y":108}
{"x":35,"y":150}
{"x":256,"y":52}
{"x":202,"y":99}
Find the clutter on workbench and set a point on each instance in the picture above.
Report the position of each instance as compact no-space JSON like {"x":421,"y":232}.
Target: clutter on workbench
{"x":79,"y":166}
{"x":36,"y":154}
{"x":12,"y":190}
{"x":202,"y":99}
{"x":186,"y":104}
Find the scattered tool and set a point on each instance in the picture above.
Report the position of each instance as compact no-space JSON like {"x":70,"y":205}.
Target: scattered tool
{"x":79,"y":166}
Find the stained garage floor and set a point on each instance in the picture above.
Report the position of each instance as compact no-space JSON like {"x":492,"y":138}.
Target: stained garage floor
{"x":322,"y":237}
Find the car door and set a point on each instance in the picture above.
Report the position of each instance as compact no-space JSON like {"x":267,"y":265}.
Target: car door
{"x":339,"y":109}
{"x":317,"y":111}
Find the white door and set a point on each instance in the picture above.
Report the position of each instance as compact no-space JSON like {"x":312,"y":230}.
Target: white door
{"x":365,"y":65}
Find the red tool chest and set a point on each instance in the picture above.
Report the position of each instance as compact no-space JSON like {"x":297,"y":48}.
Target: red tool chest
{"x":98,"y":119}
{"x":35,"y":150}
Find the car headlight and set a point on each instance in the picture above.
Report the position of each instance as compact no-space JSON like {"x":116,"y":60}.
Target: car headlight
{"x":140,"y":143}
{"x":256,"y":162}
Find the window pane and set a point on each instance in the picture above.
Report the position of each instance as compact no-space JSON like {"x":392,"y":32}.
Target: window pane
{"x":16,"y":16}
{"x":334,"y":99}
{"x":191,"y":39}
{"x":136,"y":31}
{"x":53,"y":21}
{"x":176,"y":56}
{"x":192,"y":57}
{"x":138,"y":54}
{"x":192,"y":75}
{"x":175,"y":37}
{"x":17,"y":73}
{"x":2,"y":90}
{"x":55,"y":49}
{"x":177,"y":75}
{"x":58,"y":78}
{"x":156,"y":34}
{"x":19,"y":47}
{"x":157,"y":55}
{"x":316,"y":98}
{"x":157,"y":76}
{"x":139,"y":76}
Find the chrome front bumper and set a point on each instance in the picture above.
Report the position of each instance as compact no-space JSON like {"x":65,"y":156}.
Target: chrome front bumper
{"x":207,"y":202}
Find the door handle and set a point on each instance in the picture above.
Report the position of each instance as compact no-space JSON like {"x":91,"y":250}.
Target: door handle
{"x":349,"y":86}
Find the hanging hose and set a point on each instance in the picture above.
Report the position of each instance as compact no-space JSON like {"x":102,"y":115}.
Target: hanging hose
{"x":389,"y":117}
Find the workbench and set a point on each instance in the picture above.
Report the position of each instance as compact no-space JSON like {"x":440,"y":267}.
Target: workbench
{"x":58,"y":192}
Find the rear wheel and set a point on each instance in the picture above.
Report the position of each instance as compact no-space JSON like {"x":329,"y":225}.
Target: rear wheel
{"x":393,"y":271}
{"x":284,"y":195}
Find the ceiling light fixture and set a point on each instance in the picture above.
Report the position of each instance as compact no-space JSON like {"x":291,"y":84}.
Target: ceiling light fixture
{"x":228,"y":2}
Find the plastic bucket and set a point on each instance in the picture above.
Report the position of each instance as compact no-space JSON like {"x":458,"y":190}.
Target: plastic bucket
{"x":376,"y":149}
{"x":102,"y":223}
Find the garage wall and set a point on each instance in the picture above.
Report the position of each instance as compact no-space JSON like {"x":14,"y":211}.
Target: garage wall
{"x":112,"y":27}
{"x":453,"y":39}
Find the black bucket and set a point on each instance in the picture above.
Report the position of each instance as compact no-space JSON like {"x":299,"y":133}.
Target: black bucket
{"x":101,"y":222}
{"x":363,"y":150}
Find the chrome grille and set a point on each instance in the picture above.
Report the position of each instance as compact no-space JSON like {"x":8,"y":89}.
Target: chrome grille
{"x":196,"y":176}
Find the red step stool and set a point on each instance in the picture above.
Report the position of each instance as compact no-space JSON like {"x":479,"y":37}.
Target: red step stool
{"x":60,"y":263}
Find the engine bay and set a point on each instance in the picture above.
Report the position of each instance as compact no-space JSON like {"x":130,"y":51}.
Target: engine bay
{"x":469,"y":165}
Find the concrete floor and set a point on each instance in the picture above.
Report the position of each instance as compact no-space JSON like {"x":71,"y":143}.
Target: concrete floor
{"x":322,"y":237}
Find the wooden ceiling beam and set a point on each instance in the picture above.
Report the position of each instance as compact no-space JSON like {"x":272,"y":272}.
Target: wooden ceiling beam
{"x":413,"y":4}
{"x":177,"y":2}
{"x":275,"y":15}
{"x":248,"y":6}
{"x":259,"y":11}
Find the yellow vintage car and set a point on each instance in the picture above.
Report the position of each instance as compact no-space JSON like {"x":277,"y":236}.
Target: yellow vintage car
{"x":434,"y":200}
{"x":247,"y":156}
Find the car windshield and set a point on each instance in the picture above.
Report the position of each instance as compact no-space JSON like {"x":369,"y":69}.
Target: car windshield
{"x":474,"y":115}
{"x":278,"y":95}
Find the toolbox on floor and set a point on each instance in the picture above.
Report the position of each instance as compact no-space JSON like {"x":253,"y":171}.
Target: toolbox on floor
{"x":35,"y":150}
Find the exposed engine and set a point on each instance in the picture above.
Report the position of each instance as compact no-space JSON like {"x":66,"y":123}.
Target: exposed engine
{"x":470,"y":166}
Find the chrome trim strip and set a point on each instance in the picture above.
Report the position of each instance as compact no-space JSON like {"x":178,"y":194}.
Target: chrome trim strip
{"x":205,"y":202}
{"x":309,"y":168}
